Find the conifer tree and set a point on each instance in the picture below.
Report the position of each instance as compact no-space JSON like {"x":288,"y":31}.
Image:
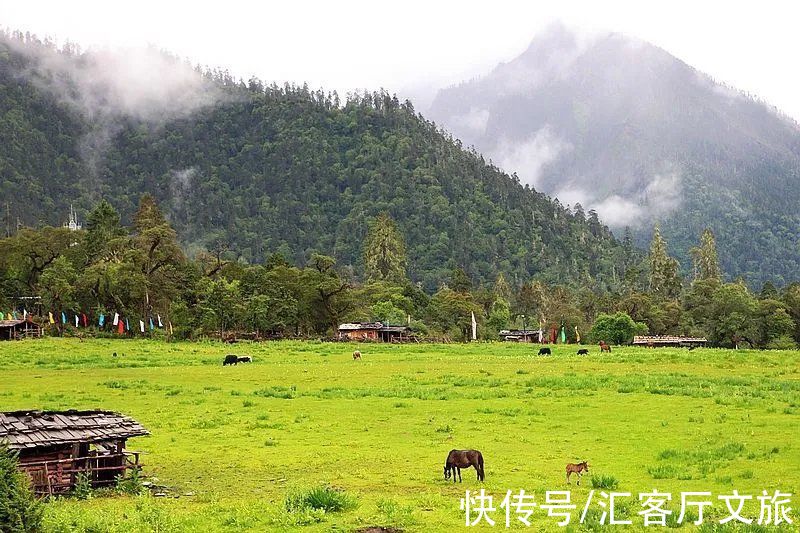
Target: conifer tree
{"x":384,"y":251}
{"x":704,"y":257}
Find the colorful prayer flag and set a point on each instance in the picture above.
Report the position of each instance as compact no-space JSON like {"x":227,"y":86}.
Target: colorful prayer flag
{"x":151,"y":324}
{"x":50,"y":316}
{"x":120,"y":327}
{"x":63,"y":317}
{"x":101,"y":320}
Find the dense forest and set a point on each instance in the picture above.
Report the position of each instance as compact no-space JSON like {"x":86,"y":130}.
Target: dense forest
{"x":74,"y":281}
{"x":252,"y":170}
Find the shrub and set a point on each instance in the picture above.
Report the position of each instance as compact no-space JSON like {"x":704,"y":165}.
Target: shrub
{"x":132,"y":483}
{"x":616,"y":329}
{"x":327,"y":499}
{"x":19,"y":509}
{"x":604,"y":481}
{"x":83,"y":487}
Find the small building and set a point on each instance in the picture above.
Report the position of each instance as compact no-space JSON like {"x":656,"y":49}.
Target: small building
{"x":658,"y":341}
{"x":374,"y":331}
{"x":56,"y":447}
{"x":19,"y":329}
{"x":522,"y":335}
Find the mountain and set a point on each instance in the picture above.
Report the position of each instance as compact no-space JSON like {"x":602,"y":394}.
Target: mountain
{"x":260,"y":169}
{"x":622,"y":127}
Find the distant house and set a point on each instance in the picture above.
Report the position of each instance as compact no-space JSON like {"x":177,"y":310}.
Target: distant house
{"x":55,"y":447}
{"x":375,"y":331}
{"x":19,"y":329}
{"x":522,"y":335}
{"x":656,"y":341}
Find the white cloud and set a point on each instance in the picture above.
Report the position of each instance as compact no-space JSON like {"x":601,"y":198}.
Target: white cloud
{"x":660,"y":196}
{"x":474,"y":121}
{"x":527,"y":158}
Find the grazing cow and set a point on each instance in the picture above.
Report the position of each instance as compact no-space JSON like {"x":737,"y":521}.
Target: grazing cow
{"x":577,"y":469}
{"x":458,"y":459}
{"x":583,"y":351}
{"x":356,"y":355}
{"x":244,"y":359}
{"x":230,"y":359}
{"x":604,"y":347}
{"x":544,"y":351}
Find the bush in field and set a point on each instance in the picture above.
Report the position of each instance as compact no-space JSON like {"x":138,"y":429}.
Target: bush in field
{"x":19,"y":510}
{"x":83,"y":487}
{"x":325,"y":498}
{"x":604,"y":481}
{"x":618,"y":328}
{"x":130,"y":484}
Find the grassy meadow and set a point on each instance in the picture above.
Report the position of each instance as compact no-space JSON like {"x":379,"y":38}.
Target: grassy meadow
{"x":237,"y":445}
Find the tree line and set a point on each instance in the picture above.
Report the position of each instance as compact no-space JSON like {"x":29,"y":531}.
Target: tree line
{"x":141,"y":270}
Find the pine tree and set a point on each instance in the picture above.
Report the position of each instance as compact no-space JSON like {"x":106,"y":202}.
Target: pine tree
{"x":664,"y":279}
{"x":704,"y":257}
{"x":384,"y":251}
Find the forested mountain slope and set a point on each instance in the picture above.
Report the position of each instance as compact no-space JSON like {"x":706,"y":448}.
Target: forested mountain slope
{"x":623,"y":127}
{"x":258,"y":170}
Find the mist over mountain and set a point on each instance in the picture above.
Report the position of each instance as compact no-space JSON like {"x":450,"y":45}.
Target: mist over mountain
{"x":255,"y":169}
{"x":622,"y":127}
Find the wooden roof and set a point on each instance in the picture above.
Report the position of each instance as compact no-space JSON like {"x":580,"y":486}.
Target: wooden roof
{"x":667,"y":339}
{"x":34,"y":429}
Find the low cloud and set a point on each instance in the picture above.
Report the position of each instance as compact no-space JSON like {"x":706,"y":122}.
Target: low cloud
{"x":658,"y":198}
{"x":528,"y":157}
{"x":473,"y":123}
{"x":110,"y":86}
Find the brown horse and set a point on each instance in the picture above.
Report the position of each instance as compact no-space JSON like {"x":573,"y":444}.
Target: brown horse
{"x":604,"y":347}
{"x":458,"y":459}
{"x":577,"y":469}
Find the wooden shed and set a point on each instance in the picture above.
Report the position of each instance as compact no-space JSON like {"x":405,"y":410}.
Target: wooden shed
{"x":55,"y":447}
{"x":375,"y":331}
{"x":359,"y":331}
{"x":657,"y":341}
{"x":523,"y":335}
{"x":19,"y":329}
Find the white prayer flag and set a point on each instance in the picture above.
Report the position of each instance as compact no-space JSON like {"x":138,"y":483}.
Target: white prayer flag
{"x":76,"y":320}
{"x":141,"y":326}
{"x":116,"y":318}
{"x":24,"y":314}
{"x":160,"y":324}
{"x":474,"y":328}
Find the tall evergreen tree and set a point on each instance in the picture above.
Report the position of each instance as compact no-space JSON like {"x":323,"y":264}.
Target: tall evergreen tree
{"x":704,"y":257}
{"x":664,"y":279}
{"x":384,"y":251}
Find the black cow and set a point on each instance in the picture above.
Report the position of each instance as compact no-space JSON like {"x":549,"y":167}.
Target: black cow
{"x":583,"y":351}
{"x":245,"y":359}
{"x":230,"y":359}
{"x":544,"y":351}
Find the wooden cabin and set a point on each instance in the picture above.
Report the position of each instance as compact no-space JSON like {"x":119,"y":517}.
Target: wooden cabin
{"x":374,"y":331}
{"x":520,"y":335}
{"x":56,"y":447}
{"x":659,"y":341}
{"x":19,"y":329}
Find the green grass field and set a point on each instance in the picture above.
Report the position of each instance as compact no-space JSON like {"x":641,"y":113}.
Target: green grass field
{"x":233,"y":443}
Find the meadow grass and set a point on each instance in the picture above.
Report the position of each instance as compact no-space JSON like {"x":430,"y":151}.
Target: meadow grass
{"x":306,"y":438}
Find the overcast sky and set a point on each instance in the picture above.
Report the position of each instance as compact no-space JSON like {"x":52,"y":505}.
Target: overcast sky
{"x":411,"y":45}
